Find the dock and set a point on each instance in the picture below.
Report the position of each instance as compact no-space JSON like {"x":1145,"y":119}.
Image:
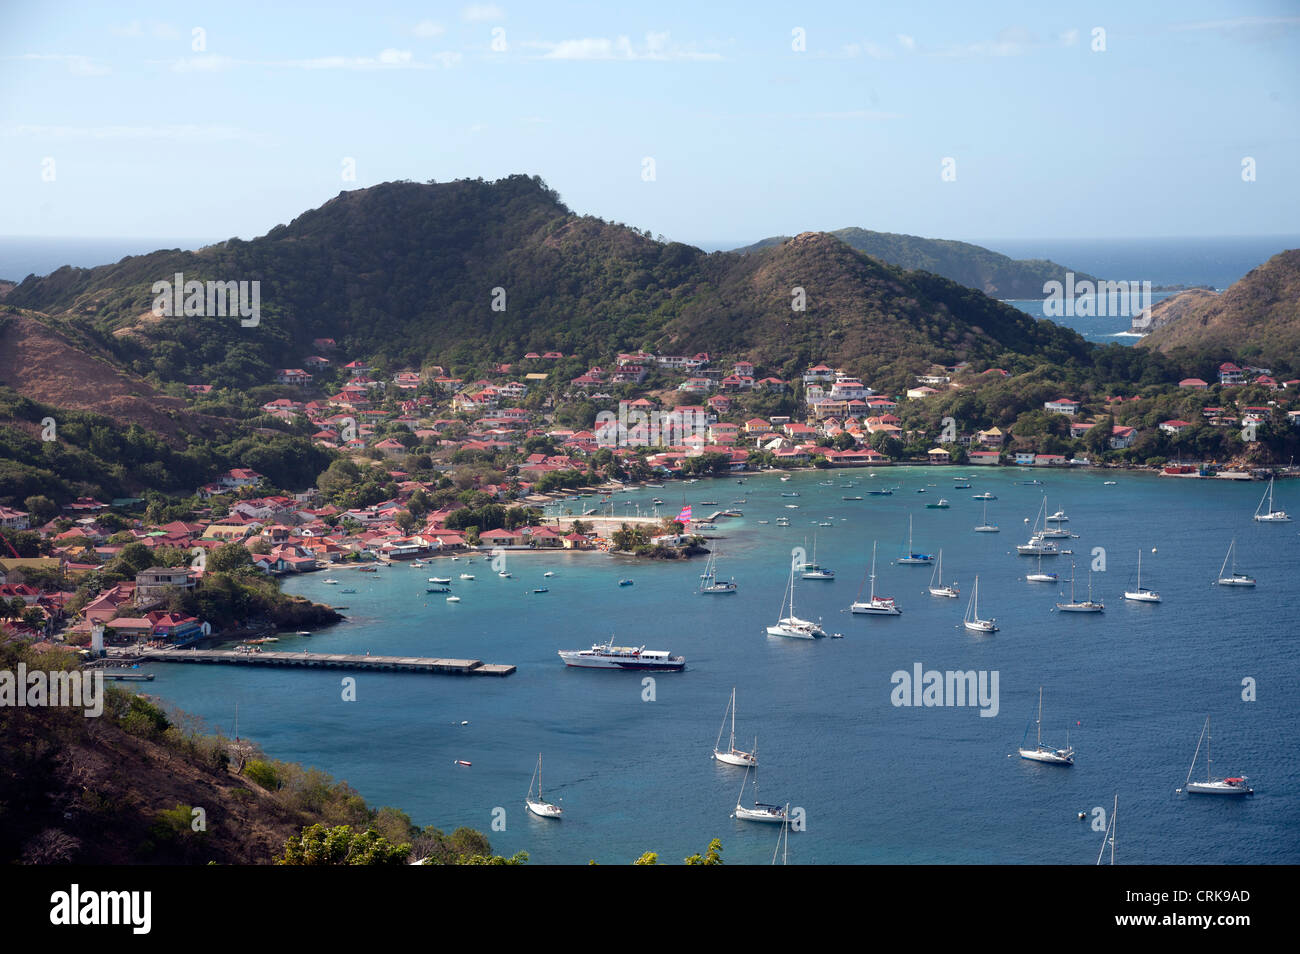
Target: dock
{"x":454,"y":667}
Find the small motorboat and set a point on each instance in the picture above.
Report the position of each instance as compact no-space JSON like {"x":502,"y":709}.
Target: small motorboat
{"x":463,"y":762}
{"x":440,"y":579}
{"x":348,"y":590}
{"x":330,"y":582}
{"x":941,"y":504}
{"x":453,"y":599}
{"x":437,"y":589}
{"x":548,"y":573}
{"x":624,"y":582}
{"x":467,"y":576}
{"x":541,"y":589}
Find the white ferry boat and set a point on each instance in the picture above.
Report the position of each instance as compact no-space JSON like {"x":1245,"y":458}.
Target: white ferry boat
{"x":609,"y":656}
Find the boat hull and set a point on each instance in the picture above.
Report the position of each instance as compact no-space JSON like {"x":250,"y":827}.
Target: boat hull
{"x":1080,"y":607}
{"x":875,"y":609}
{"x":1217,"y":788}
{"x":980,"y":626}
{"x":579,"y":660}
{"x":544,"y":809}
{"x":946,"y":591}
{"x":762,"y":813}
{"x":1047,"y":756}
{"x":1143,"y":596}
{"x":735,"y":758}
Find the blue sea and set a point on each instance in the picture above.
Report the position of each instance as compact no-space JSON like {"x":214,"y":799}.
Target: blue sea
{"x":630,"y":762}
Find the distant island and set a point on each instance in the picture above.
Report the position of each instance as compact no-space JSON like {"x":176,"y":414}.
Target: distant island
{"x":993,"y":273}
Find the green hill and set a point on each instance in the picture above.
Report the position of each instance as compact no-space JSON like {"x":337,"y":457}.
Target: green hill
{"x":1255,"y":320}
{"x":976,"y":267}
{"x":406,"y":273}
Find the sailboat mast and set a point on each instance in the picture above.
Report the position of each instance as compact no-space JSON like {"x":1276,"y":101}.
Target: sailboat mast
{"x":733,"y":720}
{"x":1040,"y":717}
{"x":1197,"y":753}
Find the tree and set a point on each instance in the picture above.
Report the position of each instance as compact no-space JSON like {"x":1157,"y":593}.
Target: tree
{"x":405,"y":520}
{"x":318,"y":845}
{"x":229,"y":557}
{"x":711,"y":857}
{"x":41,"y":508}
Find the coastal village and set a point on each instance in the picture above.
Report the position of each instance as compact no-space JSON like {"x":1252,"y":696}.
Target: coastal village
{"x":699,"y":420}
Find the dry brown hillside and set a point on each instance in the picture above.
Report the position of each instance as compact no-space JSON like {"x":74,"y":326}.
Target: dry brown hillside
{"x":42,"y":365}
{"x":1257,"y":319}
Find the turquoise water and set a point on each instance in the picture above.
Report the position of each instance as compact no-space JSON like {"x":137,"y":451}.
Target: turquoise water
{"x":877,"y":783}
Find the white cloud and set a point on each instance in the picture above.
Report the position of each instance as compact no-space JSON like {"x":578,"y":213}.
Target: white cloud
{"x":77,"y":64}
{"x":203,"y":64}
{"x":427,"y":28}
{"x":479,"y":12}
{"x":1069,"y":37}
{"x":907,"y":42}
{"x":657,"y":46}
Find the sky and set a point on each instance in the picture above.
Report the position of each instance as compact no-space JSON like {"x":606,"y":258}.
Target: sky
{"x":714,"y":124}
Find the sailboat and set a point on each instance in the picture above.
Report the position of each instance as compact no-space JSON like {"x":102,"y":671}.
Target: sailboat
{"x":1212,"y":785}
{"x":1045,"y":753}
{"x":814,"y":570}
{"x":733,"y":755}
{"x":792,"y":626}
{"x":972,"y":619}
{"x":1142,"y":594}
{"x":942,"y":589}
{"x":783,"y":840}
{"x":1237,"y":578}
{"x":1040,"y":576}
{"x":1038,"y":545}
{"x":985,"y":526}
{"x":709,"y":582}
{"x":1270,"y":515}
{"x":1085,"y":606}
{"x":875,"y":605}
{"x":760,"y":812}
{"x":539,"y":806}
{"x":1109,"y":838}
{"x":911,"y":556}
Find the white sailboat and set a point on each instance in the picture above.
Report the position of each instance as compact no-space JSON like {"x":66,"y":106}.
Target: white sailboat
{"x":1083,"y":606}
{"x":875,"y":605}
{"x":1112,"y":829}
{"x":1212,"y":785}
{"x":985,"y":526}
{"x":539,"y":806}
{"x":937,"y":586}
{"x":760,"y":812}
{"x":709,"y":582}
{"x":1236,"y":578}
{"x":1045,"y":753}
{"x":1270,"y":515}
{"x":732,"y":755}
{"x":814,"y":570}
{"x":1142,"y":594}
{"x":783,"y":840}
{"x":972,"y":619}
{"x":791,"y":626}
{"x":1038,"y":545}
{"x":1040,"y":576}
{"x":911,"y":556}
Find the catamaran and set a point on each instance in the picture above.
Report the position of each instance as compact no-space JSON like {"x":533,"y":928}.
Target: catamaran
{"x":1045,"y":753}
{"x":1212,"y":785}
{"x":1237,"y":578}
{"x":972,"y":620}
{"x":875,"y":605}
{"x":937,"y":586}
{"x":1081,"y":606}
{"x":760,"y":812}
{"x":539,"y":806}
{"x":1142,"y":594}
{"x":792,"y":626}
{"x":732,"y":755}
{"x":1270,"y":515}
{"x":911,"y":556}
